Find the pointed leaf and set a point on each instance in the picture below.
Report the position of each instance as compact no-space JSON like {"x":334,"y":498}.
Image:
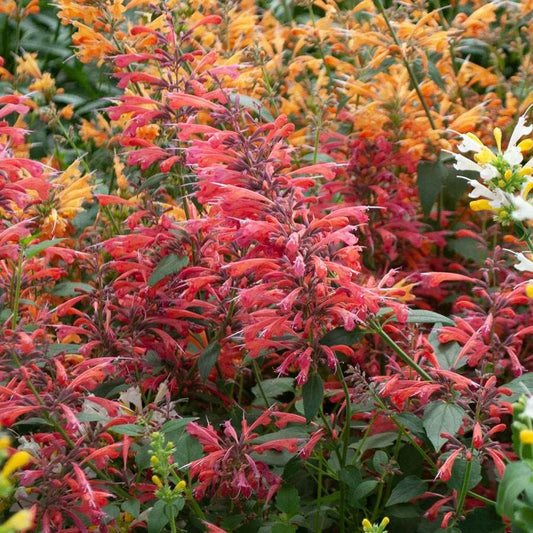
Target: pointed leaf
{"x":516,"y":478}
{"x":341,"y":336}
{"x":407,"y":489}
{"x":313,"y":392}
{"x":207,"y":359}
{"x":429,"y":182}
{"x":35,"y":249}
{"x":170,"y":264}
{"x":441,"y":417}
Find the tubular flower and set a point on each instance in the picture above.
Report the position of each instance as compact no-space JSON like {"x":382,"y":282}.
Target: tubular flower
{"x":505,"y":182}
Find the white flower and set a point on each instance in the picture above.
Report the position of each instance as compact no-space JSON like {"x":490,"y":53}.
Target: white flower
{"x":486,"y":171}
{"x":489,"y":172}
{"x":470,"y":143}
{"x":513,"y":153}
{"x":525,"y":264}
{"x":528,"y":411}
{"x":463,"y":163}
{"x":496,"y":198}
{"x":523,"y":209}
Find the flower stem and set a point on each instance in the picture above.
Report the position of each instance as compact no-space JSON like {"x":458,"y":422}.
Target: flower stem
{"x":406,"y":63}
{"x":403,"y":355}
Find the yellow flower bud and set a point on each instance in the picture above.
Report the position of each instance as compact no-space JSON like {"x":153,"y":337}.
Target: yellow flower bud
{"x":474,"y":138}
{"x":154,"y":460}
{"x":480,"y":205}
{"x":385,"y":522}
{"x":527,"y":189}
{"x":508,"y":174}
{"x":484,"y":156}
{"x":16,"y":461}
{"x":525,"y":145}
{"x":526,"y":436}
{"x":20,"y":521}
{"x":529,"y":290}
{"x":5,"y":441}
{"x":367,"y":526}
{"x":157,"y":481}
{"x":498,"y":138}
{"x":180,"y":487}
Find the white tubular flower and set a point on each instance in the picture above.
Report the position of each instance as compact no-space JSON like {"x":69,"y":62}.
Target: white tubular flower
{"x":523,"y":209}
{"x":463,"y":163}
{"x":496,"y":198}
{"x":470,"y":143}
{"x":489,"y":172}
{"x":524,"y":264}
{"x":514,"y":150}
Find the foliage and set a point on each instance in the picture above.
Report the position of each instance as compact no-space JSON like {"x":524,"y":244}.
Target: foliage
{"x":241,"y":288}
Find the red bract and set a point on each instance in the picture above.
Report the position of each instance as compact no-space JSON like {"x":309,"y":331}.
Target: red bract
{"x":229,"y":469}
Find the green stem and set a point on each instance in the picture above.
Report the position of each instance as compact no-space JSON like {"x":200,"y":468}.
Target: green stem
{"x":258,"y":380}
{"x":18,"y":284}
{"x":172,"y":520}
{"x":406,"y":63}
{"x":319,"y":494}
{"x":403,"y":355}
{"x":346,"y":428}
{"x":464,"y":490}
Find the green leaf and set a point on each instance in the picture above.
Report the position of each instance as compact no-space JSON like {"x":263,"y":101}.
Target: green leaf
{"x":133,"y":430}
{"x":364,"y":489}
{"x":297,"y":432}
{"x":418,"y":316}
{"x":282,"y":527}
{"x":342,"y":336}
{"x":158,"y":518}
{"x":380,"y":440}
{"x":170,"y":264}
{"x":272,"y":388}
{"x":446,"y":353}
{"x":434,"y":74}
{"x":133,"y":507}
{"x":350,"y":476}
{"x":428,"y":317}
{"x":288,"y":501}
{"x":313,"y":392}
{"x":187,"y":449}
{"x":380,"y":461}
{"x":521,"y":385}
{"x":441,"y":417}
{"x":429,"y":182}
{"x":320,"y":158}
{"x":470,"y":249}
{"x":252,"y":104}
{"x":152,"y":180}
{"x":482,"y":519}
{"x":516,"y":478}
{"x":175,"y":425}
{"x":207,"y":359}
{"x":71,"y":288}
{"x":404,"y":511}
{"x":458,"y":473}
{"x":411,"y":422}
{"x":91,"y":417}
{"x":407,"y":489}
{"x":455,"y":186}
{"x":111,"y":510}
{"x":55,"y":349}
{"x":35,"y":249}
